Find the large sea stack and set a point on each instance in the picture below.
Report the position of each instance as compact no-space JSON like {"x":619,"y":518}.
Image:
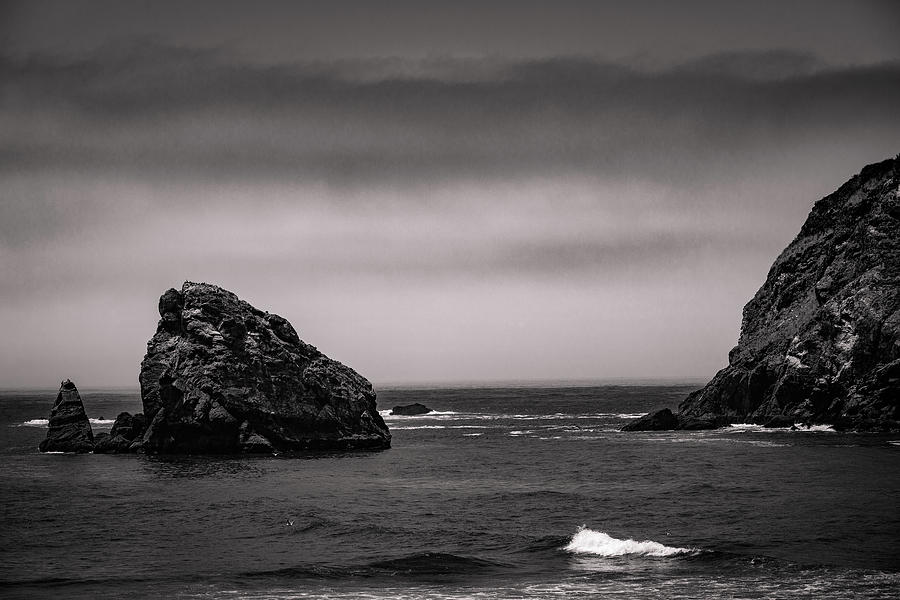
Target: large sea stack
{"x":820,"y":340}
{"x":221,"y":376}
{"x":69,"y":430}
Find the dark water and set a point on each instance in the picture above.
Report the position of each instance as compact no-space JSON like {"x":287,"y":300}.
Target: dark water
{"x":484,"y":499}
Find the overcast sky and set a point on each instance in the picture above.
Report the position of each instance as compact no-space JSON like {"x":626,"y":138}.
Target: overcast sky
{"x":429,"y":192}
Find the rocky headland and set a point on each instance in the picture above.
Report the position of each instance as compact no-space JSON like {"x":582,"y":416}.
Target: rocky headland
{"x":820,"y":340}
{"x":223,"y":377}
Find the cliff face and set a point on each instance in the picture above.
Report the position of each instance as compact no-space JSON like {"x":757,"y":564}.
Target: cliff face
{"x":221,"y":376}
{"x":69,"y":429}
{"x":820,"y":340}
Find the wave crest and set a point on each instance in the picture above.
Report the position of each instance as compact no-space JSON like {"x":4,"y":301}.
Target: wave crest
{"x":588,"y":541}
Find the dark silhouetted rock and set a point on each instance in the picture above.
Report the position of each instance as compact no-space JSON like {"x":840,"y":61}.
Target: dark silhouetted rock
{"x":779,"y":421}
{"x":666,"y":420}
{"x":661,"y":420}
{"x":221,"y":376}
{"x":409,"y":410}
{"x":124,"y":436}
{"x":820,"y":340}
{"x":694,"y":424}
{"x":69,"y":430}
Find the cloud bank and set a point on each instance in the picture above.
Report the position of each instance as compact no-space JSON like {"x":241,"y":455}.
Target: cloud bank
{"x":616,"y":216}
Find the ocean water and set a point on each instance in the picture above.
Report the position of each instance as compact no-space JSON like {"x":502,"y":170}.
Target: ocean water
{"x":527,"y":492}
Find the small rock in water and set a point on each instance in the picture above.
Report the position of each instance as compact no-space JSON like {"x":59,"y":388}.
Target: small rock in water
{"x":410,"y":410}
{"x":69,"y":429}
{"x":661,"y":420}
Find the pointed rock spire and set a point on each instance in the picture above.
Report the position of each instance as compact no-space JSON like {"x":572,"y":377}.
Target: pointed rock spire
{"x":70,"y":430}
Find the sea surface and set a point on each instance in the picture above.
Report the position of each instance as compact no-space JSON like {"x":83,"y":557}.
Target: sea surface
{"x":513,"y":492}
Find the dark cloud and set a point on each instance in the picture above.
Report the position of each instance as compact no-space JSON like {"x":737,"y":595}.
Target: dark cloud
{"x":153,"y":108}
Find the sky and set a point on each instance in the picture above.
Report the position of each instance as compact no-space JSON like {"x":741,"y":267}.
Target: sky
{"x":431,"y":192}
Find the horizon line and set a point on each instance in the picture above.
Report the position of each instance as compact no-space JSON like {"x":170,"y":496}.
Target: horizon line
{"x":454,"y":384}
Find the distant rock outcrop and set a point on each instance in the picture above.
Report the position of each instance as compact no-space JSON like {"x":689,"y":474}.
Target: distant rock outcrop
{"x":69,"y":430}
{"x":820,"y":340}
{"x":221,"y":376}
{"x":409,"y":410}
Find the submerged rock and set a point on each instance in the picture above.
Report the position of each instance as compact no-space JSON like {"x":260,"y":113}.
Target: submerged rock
{"x":69,"y":429}
{"x":221,"y":376}
{"x":410,"y":410}
{"x":820,"y":340}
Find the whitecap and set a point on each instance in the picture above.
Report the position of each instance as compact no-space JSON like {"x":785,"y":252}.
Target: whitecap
{"x":894,"y":442}
{"x":588,"y":541}
{"x":393,"y":427}
{"x":102,"y":422}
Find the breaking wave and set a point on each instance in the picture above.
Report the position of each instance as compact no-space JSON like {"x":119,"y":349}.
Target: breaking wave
{"x":588,"y":541}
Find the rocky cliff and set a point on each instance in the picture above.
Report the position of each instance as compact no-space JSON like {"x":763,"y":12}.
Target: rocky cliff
{"x":820,"y":340}
{"x":69,"y":429}
{"x":221,"y":376}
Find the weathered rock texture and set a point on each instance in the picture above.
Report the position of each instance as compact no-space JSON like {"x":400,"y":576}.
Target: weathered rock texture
{"x":820,"y":340}
{"x":70,"y":430}
{"x":221,"y":376}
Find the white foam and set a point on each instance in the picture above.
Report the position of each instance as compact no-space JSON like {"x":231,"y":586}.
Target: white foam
{"x":418,"y":427}
{"x":746,"y":426}
{"x":738,"y":427}
{"x":588,"y":541}
{"x":894,"y":442}
{"x":825,"y":428}
{"x":46,"y":422}
{"x":451,"y":414}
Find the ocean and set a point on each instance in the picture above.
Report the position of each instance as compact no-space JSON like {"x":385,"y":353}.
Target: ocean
{"x":503,"y":492}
